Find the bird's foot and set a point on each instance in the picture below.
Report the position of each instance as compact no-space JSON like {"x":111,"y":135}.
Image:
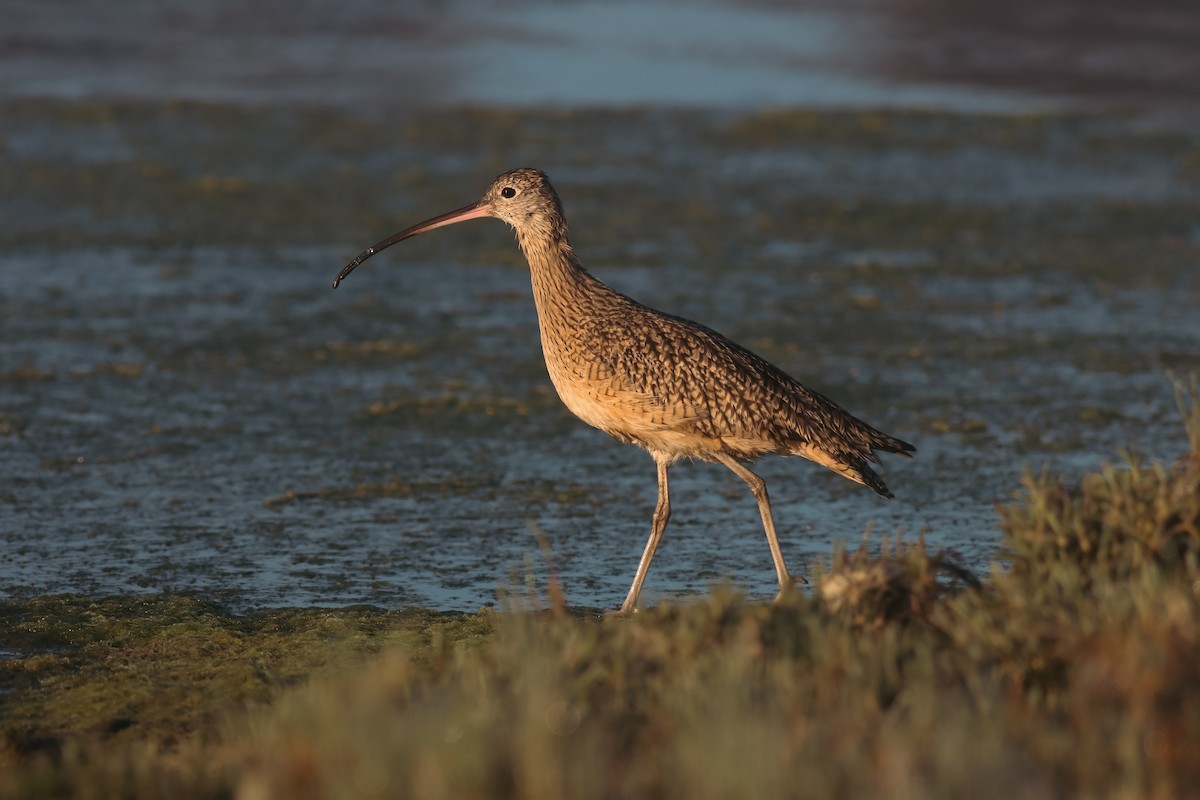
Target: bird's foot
{"x":785,"y":589}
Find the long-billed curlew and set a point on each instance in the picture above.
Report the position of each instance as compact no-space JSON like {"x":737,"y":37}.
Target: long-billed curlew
{"x":664,"y":383}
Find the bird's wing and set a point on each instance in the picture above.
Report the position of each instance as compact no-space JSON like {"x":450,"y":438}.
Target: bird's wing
{"x":653,"y":403}
{"x":710,"y":384}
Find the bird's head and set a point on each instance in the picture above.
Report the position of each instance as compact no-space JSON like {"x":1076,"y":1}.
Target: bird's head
{"x":522,"y":197}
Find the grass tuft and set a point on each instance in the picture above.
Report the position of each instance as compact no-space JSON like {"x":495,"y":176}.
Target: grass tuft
{"x":1117,"y":522}
{"x":895,"y":586}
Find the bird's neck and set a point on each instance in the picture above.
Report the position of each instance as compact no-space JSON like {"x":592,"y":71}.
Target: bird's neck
{"x":562,"y":288}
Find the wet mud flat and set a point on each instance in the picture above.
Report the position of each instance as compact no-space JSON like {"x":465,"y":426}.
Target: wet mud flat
{"x":187,"y":408}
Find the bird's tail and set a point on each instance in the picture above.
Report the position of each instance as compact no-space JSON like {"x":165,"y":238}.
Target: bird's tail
{"x":885,"y":444}
{"x":867,"y":477}
{"x":890,"y":444}
{"x":848,"y":466}
{"x":855,"y":465}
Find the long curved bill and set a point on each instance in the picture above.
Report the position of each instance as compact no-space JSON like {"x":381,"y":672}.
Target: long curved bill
{"x":473,"y":211}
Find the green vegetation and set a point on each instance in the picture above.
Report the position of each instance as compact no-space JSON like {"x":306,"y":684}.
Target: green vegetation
{"x":1070,"y":673}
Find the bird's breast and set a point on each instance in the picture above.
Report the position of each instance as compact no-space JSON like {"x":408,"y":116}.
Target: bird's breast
{"x":665,"y":425}
{"x":600,"y":399}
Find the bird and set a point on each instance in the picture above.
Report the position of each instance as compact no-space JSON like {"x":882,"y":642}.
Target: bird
{"x":671,"y":386}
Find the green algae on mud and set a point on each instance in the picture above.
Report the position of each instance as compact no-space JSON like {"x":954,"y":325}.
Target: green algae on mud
{"x":373,"y":490}
{"x":528,"y":491}
{"x":251,"y":177}
{"x":162,"y":668}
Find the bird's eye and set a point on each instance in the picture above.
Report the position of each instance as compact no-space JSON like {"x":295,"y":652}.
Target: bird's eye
{"x":508,"y":191}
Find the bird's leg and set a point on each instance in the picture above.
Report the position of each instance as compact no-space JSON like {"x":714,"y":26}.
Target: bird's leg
{"x":662,"y":513}
{"x":758,"y":487}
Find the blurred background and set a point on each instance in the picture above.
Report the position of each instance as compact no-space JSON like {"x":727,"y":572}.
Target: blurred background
{"x":962,"y":54}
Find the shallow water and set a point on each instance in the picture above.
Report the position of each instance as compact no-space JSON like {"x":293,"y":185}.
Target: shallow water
{"x":186,"y":406}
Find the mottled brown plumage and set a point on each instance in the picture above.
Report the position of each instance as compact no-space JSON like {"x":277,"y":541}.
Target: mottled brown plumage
{"x":664,"y":383}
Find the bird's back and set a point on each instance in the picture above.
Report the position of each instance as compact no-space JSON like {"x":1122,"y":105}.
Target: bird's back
{"x":682,"y":390}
